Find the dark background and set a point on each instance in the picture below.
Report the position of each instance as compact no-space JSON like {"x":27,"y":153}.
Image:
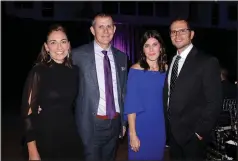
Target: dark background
{"x":22,"y":40}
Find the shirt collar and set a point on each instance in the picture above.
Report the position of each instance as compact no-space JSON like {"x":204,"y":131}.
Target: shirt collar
{"x":185,"y":53}
{"x":99,"y":48}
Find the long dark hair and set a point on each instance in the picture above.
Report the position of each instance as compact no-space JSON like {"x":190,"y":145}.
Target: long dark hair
{"x":44,"y":57}
{"x":162,"y":59}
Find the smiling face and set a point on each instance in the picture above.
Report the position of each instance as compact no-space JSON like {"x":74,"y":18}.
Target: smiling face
{"x":181,"y":36}
{"x":103,"y":30}
{"x":57,"y":46}
{"x":152,"y":49}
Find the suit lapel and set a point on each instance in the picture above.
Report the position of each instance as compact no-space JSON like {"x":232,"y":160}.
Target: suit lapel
{"x":118,"y":70}
{"x":93,"y":71}
{"x":185,"y":73}
{"x":92,"y":65}
{"x":166,"y":85}
{"x":187,"y":66}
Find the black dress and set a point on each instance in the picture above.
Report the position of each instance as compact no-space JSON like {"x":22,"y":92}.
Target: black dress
{"x":54,"y":89}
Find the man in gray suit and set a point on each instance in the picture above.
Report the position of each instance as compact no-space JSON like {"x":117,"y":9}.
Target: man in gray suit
{"x":102,"y":83}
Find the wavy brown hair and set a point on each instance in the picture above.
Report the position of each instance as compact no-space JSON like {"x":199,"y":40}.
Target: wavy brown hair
{"x":44,"y":57}
{"x":162,"y":59}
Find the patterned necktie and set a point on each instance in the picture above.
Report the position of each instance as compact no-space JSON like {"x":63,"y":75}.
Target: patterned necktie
{"x":110,"y":104}
{"x":173,"y":78}
{"x":174,"y":74}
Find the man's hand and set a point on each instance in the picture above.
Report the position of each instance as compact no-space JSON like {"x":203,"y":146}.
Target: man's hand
{"x":123,"y":132}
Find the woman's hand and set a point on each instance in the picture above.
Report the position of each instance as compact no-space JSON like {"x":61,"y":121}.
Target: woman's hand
{"x":134,"y":143}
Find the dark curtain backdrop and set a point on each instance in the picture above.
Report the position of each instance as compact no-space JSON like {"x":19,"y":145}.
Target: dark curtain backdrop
{"x":124,"y":40}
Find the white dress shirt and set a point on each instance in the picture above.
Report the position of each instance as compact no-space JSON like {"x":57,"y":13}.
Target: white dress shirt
{"x":183,"y":55}
{"x":99,"y":56}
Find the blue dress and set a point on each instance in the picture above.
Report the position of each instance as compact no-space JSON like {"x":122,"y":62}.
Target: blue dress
{"x":145,"y":98}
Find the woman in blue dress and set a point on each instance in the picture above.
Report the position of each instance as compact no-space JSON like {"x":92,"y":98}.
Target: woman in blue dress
{"x":143,"y":102}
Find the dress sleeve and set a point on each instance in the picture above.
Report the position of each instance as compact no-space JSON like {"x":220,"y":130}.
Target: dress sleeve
{"x":132,"y":98}
{"x":29,"y":107}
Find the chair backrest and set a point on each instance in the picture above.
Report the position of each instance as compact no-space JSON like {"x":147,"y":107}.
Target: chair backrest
{"x":229,"y":104}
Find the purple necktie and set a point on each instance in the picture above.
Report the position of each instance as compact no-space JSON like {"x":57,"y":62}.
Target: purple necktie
{"x":110,"y":104}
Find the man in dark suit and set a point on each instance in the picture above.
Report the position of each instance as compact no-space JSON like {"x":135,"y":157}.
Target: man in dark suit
{"x":192,"y":95}
{"x":102,"y":83}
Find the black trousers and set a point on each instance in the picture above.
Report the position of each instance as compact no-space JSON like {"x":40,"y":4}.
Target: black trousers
{"x":105,"y":140}
{"x":194,"y":150}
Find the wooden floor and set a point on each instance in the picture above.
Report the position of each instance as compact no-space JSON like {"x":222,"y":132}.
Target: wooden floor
{"x":11,"y":138}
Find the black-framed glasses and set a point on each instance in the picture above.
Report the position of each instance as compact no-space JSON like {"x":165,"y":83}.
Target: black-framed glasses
{"x":179,"y":32}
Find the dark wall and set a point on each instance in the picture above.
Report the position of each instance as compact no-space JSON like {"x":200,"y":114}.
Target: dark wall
{"x":220,"y":43}
{"x":22,"y":40}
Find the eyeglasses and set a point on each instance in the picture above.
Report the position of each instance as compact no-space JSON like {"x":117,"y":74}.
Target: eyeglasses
{"x":179,"y":32}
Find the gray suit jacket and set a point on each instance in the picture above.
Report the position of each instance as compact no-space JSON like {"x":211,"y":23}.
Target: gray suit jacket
{"x":88,"y":93}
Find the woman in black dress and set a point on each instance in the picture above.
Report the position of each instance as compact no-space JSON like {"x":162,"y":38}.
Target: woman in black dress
{"x":52,"y":87}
